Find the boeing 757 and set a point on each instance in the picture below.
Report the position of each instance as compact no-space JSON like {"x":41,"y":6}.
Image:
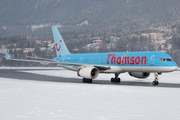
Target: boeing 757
{"x":89,"y":65}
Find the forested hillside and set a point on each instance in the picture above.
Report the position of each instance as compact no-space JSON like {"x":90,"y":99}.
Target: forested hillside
{"x":26,"y":16}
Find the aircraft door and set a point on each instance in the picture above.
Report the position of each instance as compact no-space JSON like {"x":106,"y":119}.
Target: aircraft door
{"x":152,"y":60}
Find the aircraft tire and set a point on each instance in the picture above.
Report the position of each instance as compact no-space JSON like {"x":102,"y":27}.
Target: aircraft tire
{"x":112,"y":79}
{"x":119,"y":80}
{"x":155,"y":83}
{"x":89,"y":80}
{"x":115,"y":80}
{"x":84,"y":80}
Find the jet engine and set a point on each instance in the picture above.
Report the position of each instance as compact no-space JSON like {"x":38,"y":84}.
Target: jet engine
{"x":139,"y":74}
{"x":88,"y":72}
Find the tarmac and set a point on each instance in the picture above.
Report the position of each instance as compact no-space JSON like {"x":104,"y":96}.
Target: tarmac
{"x":21,"y":75}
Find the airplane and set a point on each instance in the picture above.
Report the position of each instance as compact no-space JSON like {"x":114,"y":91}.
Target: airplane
{"x":89,"y":65}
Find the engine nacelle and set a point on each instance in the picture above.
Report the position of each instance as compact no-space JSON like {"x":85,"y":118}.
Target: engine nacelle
{"x":139,"y":74}
{"x":88,"y":72}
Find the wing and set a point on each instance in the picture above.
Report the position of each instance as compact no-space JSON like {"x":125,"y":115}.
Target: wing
{"x":36,"y":59}
{"x":51,"y":61}
{"x":79,"y":65}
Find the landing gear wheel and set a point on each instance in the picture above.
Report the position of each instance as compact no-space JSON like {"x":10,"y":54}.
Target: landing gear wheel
{"x":112,"y":79}
{"x":84,"y":80}
{"x":155,"y":83}
{"x":115,"y":80}
{"x":90,"y":81}
{"x":119,"y":80}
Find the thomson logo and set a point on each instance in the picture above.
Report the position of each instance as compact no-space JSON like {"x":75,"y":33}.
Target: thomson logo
{"x":58,"y":48}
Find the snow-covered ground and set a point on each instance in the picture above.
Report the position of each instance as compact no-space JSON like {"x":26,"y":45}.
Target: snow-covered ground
{"x":46,"y":100}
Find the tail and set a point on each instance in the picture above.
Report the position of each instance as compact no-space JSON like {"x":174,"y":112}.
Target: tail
{"x":5,"y":52}
{"x":60,"y":46}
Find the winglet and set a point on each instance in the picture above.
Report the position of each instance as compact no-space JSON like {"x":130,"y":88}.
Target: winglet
{"x":5,"y":52}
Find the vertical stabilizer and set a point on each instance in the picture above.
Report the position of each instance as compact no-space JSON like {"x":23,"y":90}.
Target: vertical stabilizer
{"x":60,"y":46}
{"x":5,"y":52}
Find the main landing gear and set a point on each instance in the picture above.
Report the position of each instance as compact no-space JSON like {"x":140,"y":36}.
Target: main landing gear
{"x":155,"y":82}
{"x":84,"y":80}
{"x":116,"y":79}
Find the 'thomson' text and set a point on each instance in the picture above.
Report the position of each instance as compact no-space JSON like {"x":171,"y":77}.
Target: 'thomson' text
{"x":112,"y":59}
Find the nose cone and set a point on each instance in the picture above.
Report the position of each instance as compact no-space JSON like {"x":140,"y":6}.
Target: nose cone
{"x":170,"y":66}
{"x":173,"y":66}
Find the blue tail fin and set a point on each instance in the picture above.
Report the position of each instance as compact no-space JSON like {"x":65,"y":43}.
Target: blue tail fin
{"x":60,"y":46}
{"x":5,"y":52}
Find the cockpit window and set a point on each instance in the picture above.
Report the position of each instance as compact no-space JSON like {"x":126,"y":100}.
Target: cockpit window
{"x":166,"y":59}
{"x":162,"y":59}
{"x":169,"y":59}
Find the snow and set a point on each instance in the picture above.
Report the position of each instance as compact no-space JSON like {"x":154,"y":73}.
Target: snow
{"x":46,"y":100}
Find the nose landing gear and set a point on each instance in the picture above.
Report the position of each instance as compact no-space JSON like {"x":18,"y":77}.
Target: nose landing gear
{"x":156,"y":82}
